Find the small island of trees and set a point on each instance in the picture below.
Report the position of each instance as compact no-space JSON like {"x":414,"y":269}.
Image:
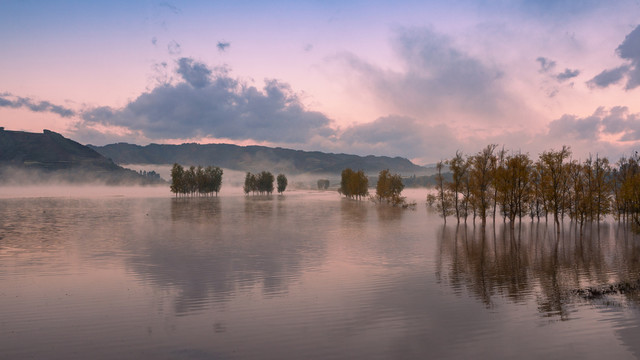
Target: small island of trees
{"x":195,"y":181}
{"x":355,"y":185}
{"x":262,"y":183}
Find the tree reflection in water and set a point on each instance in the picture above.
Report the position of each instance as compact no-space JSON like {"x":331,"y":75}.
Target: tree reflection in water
{"x":535,"y":260}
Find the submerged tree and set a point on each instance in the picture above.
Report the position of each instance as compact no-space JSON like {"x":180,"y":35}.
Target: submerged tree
{"x":195,"y":181}
{"x":481,"y":178}
{"x":250,"y":183}
{"x":354,"y":184}
{"x":389,"y":188}
{"x":282,"y":183}
{"x":323,"y":184}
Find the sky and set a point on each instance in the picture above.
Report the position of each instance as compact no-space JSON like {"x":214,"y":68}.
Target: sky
{"x":416,"y":79}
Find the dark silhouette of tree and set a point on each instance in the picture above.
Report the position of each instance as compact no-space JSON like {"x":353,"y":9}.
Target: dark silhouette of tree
{"x":323,"y":184}
{"x":250,"y":183}
{"x":177,"y":180}
{"x":265,"y":182}
{"x":282,"y":183}
{"x":195,"y":181}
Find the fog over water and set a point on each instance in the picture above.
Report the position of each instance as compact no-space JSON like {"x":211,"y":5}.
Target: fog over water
{"x":129,"y":273}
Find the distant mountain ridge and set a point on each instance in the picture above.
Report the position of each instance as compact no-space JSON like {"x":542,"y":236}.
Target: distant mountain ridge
{"x":50,"y":156}
{"x":255,"y":158}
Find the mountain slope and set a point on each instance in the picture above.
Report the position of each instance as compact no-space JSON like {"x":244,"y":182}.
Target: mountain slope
{"x":254,"y":158}
{"x":35,"y":157}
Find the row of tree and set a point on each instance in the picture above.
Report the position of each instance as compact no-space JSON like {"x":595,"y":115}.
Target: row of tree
{"x":512,"y":185}
{"x":195,"y":181}
{"x":262,"y":183}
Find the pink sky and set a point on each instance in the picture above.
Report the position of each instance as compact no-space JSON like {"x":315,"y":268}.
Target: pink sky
{"x":412,"y":79}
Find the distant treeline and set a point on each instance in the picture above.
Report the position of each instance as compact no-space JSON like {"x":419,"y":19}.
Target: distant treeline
{"x":196,"y":181}
{"x":512,"y":185}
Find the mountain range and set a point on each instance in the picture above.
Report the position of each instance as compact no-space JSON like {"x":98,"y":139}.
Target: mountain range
{"x":256,"y":158}
{"x":49,"y":156}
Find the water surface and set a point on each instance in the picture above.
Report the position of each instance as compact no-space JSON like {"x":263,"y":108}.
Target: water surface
{"x":138,"y":274}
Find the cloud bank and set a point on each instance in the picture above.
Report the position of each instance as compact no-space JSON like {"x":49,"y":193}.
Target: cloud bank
{"x":210,"y":103}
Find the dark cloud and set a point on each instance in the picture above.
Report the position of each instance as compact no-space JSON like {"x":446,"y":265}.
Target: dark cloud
{"x":616,"y":121}
{"x":154,"y":40}
{"x":546,"y":65}
{"x":174,"y":48}
{"x":608,"y":77}
{"x":35,"y":106}
{"x":567,"y":74}
{"x":628,"y":50}
{"x":223,"y":45}
{"x":211,"y":103}
{"x":195,"y":73}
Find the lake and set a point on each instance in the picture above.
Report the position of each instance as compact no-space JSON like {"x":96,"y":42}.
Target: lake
{"x":125,"y":273}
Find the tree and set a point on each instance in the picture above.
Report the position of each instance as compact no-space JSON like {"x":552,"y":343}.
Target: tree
{"x":323,"y":184}
{"x":553,"y":178}
{"x":389,"y":188}
{"x":265,"y":182}
{"x":444,"y":204}
{"x":353,"y":184}
{"x":282,"y":183}
{"x":195,"y":180}
{"x":177,"y":179}
{"x":250,"y":183}
{"x":516,"y":180}
{"x":481,"y":179}
{"x":459,"y":168}
{"x":213,"y":176}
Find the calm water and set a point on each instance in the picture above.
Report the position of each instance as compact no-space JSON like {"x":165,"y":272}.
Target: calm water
{"x":307,"y":275}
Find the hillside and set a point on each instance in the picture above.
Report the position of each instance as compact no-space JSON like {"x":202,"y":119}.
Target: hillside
{"x":255,"y":158}
{"x":48,"y":156}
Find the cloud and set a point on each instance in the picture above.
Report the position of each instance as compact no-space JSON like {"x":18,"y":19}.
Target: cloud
{"x":438,"y":80}
{"x":223,"y":45}
{"x":195,"y":73}
{"x":35,"y":106}
{"x":628,"y":50}
{"x":567,"y":74}
{"x":174,"y":9}
{"x":210,"y":103}
{"x":154,"y":41}
{"x":608,"y":77}
{"x":546,"y":65}
{"x":396,"y":135}
{"x":616,"y":123}
{"x":174,"y":48}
